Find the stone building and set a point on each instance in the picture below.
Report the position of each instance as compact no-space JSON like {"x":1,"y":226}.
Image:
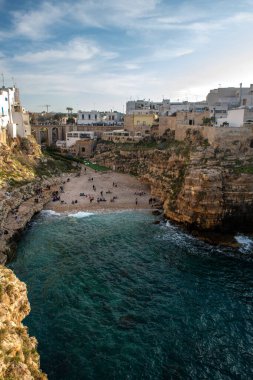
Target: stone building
{"x":141,"y":123}
{"x":82,"y":148}
{"x":220,"y":100}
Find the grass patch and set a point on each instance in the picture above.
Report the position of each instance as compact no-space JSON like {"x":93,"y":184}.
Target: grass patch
{"x":83,"y":161}
{"x":247,"y":169}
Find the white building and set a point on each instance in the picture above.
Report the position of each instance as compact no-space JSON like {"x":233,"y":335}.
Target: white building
{"x":237,"y":117}
{"x":74,"y":136}
{"x":164,"y":108}
{"x":121,"y":136}
{"x":13,"y":117}
{"x":220,"y":100}
{"x":145,"y":107}
{"x":99,"y":118}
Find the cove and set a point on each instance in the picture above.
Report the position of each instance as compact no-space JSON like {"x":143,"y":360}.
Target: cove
{"x":115,"y":296}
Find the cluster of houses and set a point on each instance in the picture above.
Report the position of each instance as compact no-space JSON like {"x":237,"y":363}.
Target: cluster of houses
{"x":224,"y":107}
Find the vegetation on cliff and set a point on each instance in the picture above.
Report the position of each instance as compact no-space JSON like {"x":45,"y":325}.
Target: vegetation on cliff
{"x":21,"y":161}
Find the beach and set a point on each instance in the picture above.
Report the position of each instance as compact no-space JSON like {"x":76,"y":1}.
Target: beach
{"x":100,"y":191}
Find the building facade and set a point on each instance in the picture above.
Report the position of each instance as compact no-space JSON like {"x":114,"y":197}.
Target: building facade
{"x":221,"y":100}
{"x":13,"y":118}
{"x":141,"y":123}
{"x":163,"y":108}
{"x":99,"y":118}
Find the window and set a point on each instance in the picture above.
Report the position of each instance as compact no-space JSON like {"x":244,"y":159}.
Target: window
{"x":83,"y":149}
{"x":82,"y":116}
{"x":89,"y":117}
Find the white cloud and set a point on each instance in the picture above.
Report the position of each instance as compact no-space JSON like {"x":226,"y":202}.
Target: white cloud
{"x":35,"y":24}
{"x":77,"y":49}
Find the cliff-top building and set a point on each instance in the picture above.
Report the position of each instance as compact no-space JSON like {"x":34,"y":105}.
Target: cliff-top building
{"x":221,"y":100}
{"x":163,"y":108}
{"x":99,"y":118}
{"x":14,"y":120}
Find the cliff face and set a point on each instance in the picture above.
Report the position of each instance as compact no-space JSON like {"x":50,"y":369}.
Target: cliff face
{"x":210,"y":193}
{"x":202,"y":186}
{"x":18,"y":356}
{"x":24,"y":170}
{"x":18,"y":207}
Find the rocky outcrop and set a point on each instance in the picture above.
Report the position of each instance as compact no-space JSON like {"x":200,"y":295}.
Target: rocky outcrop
{"x":204,"y":187}
{"x":17,"y":209}
{"x":19,"y":358}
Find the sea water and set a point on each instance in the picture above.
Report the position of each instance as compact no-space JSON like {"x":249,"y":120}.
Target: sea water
{"x":115,"y":296}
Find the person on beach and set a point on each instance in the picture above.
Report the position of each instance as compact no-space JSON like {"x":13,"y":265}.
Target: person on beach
{"x":136,"y":201}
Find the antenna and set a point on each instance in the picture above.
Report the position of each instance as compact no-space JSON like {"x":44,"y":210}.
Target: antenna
{"x":47,"y":106}
{"x":3,"y":78}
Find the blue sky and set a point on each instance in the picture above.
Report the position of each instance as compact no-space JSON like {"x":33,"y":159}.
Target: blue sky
{"x":97,"y":54}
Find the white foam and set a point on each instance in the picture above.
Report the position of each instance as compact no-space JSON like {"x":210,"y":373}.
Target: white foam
{"x":50,"y":213}
{"x":80,"y":214}
{"x":245,"y":242}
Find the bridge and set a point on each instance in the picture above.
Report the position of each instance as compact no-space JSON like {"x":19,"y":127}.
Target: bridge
{"x":48,"y":134}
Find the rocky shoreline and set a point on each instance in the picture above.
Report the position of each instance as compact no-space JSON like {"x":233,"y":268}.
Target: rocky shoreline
{"x":17,"y":209}
{"x":19,"y":358}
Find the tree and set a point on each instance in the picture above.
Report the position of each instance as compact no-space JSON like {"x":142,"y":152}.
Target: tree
{"x":69,"y":109}
{"x":208,"y":120}
{"x":71,"y":120}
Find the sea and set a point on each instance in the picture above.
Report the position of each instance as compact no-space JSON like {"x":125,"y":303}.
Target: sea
{"x":117,"y":296}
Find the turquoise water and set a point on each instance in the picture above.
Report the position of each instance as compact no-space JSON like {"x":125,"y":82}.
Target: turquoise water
{"x":115,"y":296}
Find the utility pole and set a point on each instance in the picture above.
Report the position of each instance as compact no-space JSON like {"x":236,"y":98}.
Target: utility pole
{"x":47,"y":106}
{"x":3,"y":79}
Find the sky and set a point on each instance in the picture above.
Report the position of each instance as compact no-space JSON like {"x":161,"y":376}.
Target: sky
{"x":98,"y":54}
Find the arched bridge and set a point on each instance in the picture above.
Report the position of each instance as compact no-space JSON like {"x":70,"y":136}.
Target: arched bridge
{"x":48,"y":134}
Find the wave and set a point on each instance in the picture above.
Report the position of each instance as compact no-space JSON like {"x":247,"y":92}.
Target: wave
{"x":80,"y":214}
{"x":50,"y":213}
{"x":246,"y":243}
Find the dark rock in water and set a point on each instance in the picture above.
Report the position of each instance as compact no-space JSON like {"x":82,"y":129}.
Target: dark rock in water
{"x":156,"y":212}
{"x":127,"y":322}
{"x":157,"y":222}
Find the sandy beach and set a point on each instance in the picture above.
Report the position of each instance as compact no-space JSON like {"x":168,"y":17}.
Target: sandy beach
{"x":101,"y":191}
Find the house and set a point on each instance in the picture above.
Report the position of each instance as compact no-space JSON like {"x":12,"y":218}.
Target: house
{"x":163,"y":108}
{"x":99,"y":118}
{"x":141,"y":123}
{"x":121,"y":136}
{"x":237,"y":117}
{"x":74,"y":136}
{"x":221,"y":100}
{"x":13,"y":117}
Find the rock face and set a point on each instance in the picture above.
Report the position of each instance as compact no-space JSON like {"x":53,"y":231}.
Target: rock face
{"x":202,"y":186}
{"x":18,"y":355}
{"x":16,"y":210}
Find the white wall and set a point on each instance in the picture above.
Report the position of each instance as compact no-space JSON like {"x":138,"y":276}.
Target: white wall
{"x":235,"y":117}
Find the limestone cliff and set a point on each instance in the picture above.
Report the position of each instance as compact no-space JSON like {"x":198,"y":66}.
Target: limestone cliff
{"x":202,"y":186}
{"x":17,"y":209}
{"x":19,"y":358}
{"x":24,"y":170}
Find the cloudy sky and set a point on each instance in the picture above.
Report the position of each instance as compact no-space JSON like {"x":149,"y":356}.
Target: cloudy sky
{"x":97,"y":54}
